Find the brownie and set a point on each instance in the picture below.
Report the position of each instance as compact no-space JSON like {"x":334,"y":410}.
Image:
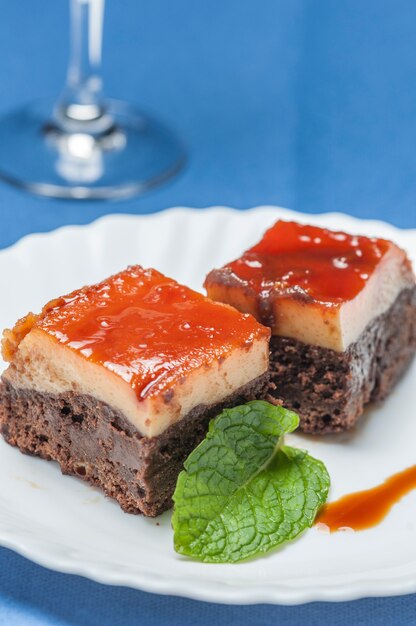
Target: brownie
{"x":342,"y":313}
{"x":330,"y":389}
{"x":94,"y":442}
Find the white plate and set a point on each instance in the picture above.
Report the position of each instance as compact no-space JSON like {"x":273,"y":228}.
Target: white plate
{"x":66,"y":525}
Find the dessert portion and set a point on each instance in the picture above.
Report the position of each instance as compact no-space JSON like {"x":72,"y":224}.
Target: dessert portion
{"x":118,"y":381}
{"x":342,"y":312}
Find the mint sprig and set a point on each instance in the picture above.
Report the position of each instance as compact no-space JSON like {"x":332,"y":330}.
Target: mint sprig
{"x":242,"y":492}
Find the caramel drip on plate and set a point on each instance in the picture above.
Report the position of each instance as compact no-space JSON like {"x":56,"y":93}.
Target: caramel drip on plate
{"x":364,"y":509}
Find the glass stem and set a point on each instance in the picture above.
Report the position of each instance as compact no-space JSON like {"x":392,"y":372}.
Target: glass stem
{"x":82,"y":100}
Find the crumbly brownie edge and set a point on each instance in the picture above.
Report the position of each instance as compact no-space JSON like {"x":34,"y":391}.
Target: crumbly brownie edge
{"x":329,"y":389}
{"x":92,"y":441}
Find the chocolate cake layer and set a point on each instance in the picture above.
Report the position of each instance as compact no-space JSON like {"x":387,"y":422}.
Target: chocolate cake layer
{"x":96,"y":443}
{"x":330,"y":389}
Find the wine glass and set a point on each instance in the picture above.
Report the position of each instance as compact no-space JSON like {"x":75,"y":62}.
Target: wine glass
{"x":84,"y":145}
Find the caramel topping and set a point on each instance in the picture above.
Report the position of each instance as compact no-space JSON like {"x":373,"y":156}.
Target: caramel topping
{"x":364,"y":509}
{"x":147,"y":329}
{"x":308,"y":262}
{"x":12,"y":338}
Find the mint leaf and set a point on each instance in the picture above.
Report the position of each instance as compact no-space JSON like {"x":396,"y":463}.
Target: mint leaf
{"x":242,"y":493}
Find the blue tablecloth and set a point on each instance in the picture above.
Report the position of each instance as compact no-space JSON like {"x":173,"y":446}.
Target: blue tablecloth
{"x":309,"y":104}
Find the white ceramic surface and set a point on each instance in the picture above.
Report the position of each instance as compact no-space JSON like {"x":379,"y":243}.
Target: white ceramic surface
{"x":66,"y":525}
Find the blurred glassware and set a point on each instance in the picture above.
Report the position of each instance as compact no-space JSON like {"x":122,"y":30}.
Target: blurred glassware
{"x":84,"y":145}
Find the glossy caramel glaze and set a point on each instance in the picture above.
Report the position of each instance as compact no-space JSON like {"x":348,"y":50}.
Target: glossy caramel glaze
{"x":147,"y":328}
{"x":296,"y":260}
{"x":368,"y":508}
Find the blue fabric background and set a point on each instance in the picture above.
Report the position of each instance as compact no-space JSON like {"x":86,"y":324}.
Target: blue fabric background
{"x":309,"y":104}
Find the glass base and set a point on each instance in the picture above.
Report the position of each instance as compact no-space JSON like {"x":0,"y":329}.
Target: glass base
{"x":124,"y":158}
